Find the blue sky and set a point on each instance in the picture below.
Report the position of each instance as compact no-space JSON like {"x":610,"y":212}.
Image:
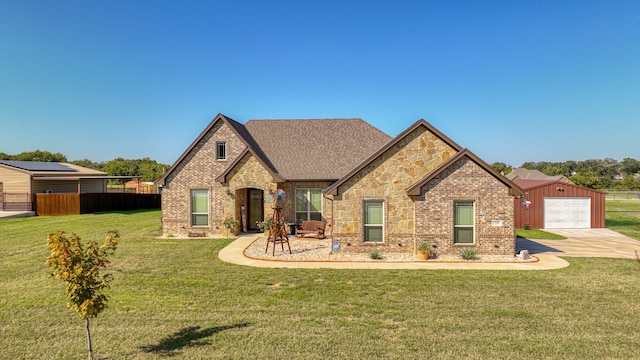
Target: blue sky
{"x":513,"y":81}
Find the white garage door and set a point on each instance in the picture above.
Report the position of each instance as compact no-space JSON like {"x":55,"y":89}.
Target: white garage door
{"x":567,"y":213}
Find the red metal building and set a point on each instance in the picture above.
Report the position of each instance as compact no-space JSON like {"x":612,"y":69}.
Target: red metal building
{"x":558,"y":205}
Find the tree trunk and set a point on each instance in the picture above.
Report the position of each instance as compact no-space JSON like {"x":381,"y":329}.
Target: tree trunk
{"x":89,"y":341}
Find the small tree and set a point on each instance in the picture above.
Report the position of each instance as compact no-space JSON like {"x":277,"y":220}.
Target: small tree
{"x":79,"y":267}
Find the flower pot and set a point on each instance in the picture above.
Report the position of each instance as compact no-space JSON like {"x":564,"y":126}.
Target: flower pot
{"x":423,"y":255}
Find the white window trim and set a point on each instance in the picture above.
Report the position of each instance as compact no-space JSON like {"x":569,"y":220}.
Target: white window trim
{"x":383,"y":225}
{"x":308,"y":211}
{"x":473,"y":227}
{"x":218,"y":158}
{"x":191,"y":212}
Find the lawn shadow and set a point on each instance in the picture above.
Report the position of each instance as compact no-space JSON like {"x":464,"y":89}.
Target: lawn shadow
{"x":187,"y":337}
{"x":620,"y":222}
{"x":122,"y":212}
{"x":533,"y":247}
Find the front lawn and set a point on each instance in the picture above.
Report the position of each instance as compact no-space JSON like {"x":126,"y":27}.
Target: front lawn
{"x":174,"y":298}
{"x":538,"y":234}
{"x":623,"y":216}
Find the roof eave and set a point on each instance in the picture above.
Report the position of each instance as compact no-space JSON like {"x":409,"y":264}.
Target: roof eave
{"x":162,"y":180}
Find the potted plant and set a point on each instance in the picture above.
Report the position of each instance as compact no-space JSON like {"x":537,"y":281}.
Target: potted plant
{"x":265,"y":226}
{"x":424,"y":251}
{"x":231,"y":225}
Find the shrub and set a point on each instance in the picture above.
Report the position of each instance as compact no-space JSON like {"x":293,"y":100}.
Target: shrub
{"x":424,"y":246}
{"x":266,"y":224}
{"x":375,"y":255}
{"x":230,"y":223}
{"x":469,"y":253}
{"x":526,"y":226}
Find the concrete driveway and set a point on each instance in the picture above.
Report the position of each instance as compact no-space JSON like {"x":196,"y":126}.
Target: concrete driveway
{"x":583,"y":243}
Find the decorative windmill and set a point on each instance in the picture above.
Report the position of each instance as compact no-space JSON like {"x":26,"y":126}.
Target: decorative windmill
{"x":278,"y":230}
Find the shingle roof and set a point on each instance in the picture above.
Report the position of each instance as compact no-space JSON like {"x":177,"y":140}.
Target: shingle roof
{"x":315,"y":149}
{"x":300,"y":149}
{"x":526,"y":174}
{"x":534,"y":184}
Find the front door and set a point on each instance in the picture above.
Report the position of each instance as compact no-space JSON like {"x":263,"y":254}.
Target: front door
{"x":256,"y":208}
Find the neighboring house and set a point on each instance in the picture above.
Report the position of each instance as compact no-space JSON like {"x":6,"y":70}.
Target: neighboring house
{"x":375,"y":192}
{"x":526,"y":174}
{"x":20,"y":180}
{"x":559,"y":205}
{"x":140,"y":187}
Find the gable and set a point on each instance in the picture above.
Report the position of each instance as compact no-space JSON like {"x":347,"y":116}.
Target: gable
{"x":248,"y":172}
{"x":417,"y":150}
{"x":199,"y":160}
{"x":200,"y":155}
{"x":415,"y":189}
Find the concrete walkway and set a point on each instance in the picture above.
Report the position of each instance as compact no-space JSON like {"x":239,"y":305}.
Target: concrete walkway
{"x":584,"y":243}
{"x":234,"y":254}
{"x":16,"y":214}
{"x":579,"y":243}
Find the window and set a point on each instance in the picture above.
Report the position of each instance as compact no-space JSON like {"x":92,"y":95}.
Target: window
{"x":199,"y":208}
{"x":373,"y":221}
{"x":221,"y":150}
{"x":463,"y":222}
{"x":308,"y":204}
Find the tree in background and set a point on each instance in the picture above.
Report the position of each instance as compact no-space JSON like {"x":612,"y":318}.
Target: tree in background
{"x":79,"y":268}
{"x":39,"y":155}
{"x":630,"y":166}
{"x":145,"y":168}
{"x":88,"y":164}
{"x":502,"y":168}
{"x":593,"y":173}
{"x":586,"y":179}
{"x":148,"y":169}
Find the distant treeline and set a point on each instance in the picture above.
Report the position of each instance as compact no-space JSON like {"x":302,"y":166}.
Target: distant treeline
{"x":593,"y":173}
{"x":148,"y":169}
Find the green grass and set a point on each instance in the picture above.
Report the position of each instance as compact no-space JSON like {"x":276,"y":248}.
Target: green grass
{"x":538,"y":234}
{"x":173,"y":298}
{"x":623,"y":216}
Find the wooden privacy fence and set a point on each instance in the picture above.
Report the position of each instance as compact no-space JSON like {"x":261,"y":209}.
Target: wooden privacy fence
{"x":73,"y":204}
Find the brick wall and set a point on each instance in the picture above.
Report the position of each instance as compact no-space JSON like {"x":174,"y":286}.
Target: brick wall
{"x":198,"y":170}
{"x":466,"y":180}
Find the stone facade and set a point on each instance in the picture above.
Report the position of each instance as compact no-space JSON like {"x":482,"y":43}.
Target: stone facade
{"x":417,"y":176}
{"x":386,"y":178}
{"x":247,"y":174}
{"x":465,"y":180}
